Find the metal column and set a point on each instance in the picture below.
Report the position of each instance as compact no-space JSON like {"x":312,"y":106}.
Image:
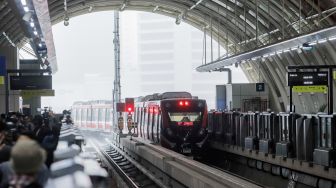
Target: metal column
{"x":116,"y":88}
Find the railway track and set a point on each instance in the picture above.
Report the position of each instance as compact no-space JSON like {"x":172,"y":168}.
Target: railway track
{"x":133,"y":174}
{"x":152,"y":166}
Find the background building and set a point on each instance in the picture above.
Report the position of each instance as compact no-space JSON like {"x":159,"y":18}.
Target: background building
{"x":167,"y":57}
{"x":156,"y":56}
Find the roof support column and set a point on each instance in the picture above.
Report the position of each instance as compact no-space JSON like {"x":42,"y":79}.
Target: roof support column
{"x":11,"y":55}
{"x":117,"y":87}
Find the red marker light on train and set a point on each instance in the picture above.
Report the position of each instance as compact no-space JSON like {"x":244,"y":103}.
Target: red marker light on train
{"x":186,"y":103}
{"x":181,"y":103}
{"x":129,"y":109}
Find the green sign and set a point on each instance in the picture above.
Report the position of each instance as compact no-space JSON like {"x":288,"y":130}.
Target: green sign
{"x":310,"y":89}
{"x":37,"y":93}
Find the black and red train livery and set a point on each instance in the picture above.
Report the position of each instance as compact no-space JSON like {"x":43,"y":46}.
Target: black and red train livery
{"x":176,"y":120}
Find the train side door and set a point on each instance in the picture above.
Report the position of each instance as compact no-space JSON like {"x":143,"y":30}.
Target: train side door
{"x":84,"y":117}
{"x":156,"y":124}
{"x":154,"y":128}
{"x":147,"y":122}
{"x":94,"y":118}
{"x":80,"y":116}
{"x":89,"y":120}
{"x":140,"y":121}
{"x":159,"y":124}
{"x":150,"y":123}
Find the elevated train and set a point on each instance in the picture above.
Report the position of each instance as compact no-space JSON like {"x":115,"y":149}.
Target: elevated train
{"x":93,"y":115}
{"x":182,"y":123}
{"x":175,"y":120}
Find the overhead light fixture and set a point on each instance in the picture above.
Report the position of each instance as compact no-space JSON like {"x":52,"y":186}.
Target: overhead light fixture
{"x":307,"y":46}
{"x":26,"y":9}
{"x":40,"y":45}
{"x":24,"y":2}
{"x":332,"y":38}
{"x":32,"y":24}
{"x":27,"y":16}
{"x":179,"y":19}
{"x":322,"y":41}
{"x":312,"y":43}
{"x":123,"y":6}
{"x":35,"y":33}
{"x":271,"y":54}
{"x":156,"y":8}
{"x":66,"y":17}
{"x":8,"y":39}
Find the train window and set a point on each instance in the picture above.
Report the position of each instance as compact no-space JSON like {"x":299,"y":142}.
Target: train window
{"x":147,"y":120}
{"x":108,"y":114}
{"x":100,"y":114}
{"x":140,"y":121}
{"x":158,"y":127}
{"x":94,"y":116}
{"x":89,"y":115}
{"x":84,"y":115}
{"x":185,"y":116}
{"x":150,"y":123}
{"x":155,"y":127}
{"x":78,"y":115}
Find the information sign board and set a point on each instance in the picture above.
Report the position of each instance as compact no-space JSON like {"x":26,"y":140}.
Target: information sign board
{"x":310,"y":89}
{"x":307,"y":78}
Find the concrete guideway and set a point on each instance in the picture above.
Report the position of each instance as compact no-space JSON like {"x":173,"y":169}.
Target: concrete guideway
{"x":188,"y":172}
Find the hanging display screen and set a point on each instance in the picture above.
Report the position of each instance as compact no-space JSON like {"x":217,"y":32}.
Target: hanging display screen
{"x":30,"y":82}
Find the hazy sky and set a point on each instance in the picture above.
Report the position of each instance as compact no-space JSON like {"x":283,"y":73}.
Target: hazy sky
{"x":85,"y":59}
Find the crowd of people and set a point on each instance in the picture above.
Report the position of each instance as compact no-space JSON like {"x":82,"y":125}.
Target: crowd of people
{"x":27,"y":145}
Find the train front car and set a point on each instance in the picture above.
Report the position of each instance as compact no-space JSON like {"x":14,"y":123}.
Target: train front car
{"x":184,"y":127}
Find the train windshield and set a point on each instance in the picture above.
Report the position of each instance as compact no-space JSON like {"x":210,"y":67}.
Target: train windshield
{"x":185,"y":116}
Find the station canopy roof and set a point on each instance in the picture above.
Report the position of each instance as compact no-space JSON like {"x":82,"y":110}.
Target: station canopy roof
{"x":241,"y":26}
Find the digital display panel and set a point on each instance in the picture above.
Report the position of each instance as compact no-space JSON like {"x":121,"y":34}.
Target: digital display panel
{"x":307,"y":78}
{"x":30,"y":82}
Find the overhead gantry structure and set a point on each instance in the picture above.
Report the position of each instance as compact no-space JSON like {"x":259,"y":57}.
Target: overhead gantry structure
{"x":28,"y":21}
{"x":242,"y":27}
{"x":245,"y":28}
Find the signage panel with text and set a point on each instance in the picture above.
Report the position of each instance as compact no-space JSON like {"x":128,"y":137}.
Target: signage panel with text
{"x":307,"y":78}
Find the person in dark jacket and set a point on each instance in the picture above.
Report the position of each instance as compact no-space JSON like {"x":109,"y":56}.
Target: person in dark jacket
{"x":27,"y":158}
{"x":5,"y":149}
{"x":41,"y":130}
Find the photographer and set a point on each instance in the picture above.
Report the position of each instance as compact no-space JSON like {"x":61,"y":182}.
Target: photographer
{"x":27,"y":122}
{"x":42,"y":128}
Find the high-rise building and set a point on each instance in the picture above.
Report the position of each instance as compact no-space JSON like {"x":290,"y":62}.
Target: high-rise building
{"x":167,"y":55}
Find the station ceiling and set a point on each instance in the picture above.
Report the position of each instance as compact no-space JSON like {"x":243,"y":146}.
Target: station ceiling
{"x":239,"y":25}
